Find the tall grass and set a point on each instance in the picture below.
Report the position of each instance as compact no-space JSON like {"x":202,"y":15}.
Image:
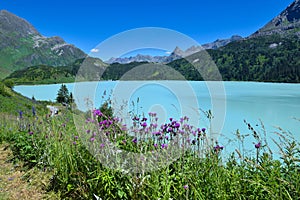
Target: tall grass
{"x":54,"y":145}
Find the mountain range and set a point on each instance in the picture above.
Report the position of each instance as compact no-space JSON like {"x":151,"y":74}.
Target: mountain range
{"x":177,"y":53}
{"x":269,"y":54}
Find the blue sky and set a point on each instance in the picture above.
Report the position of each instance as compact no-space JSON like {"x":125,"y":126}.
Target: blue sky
{"x":87,"y":23}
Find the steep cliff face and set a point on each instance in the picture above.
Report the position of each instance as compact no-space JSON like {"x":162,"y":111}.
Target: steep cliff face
{"x":286,"y":23}
{"x":21,"y":45}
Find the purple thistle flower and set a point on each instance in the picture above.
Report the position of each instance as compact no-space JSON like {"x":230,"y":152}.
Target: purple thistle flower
{"x":97,"y":112}
{"x":171,"y":119}
{"x":144,"y":119}
{"x":30,"y":133}
{"x":102,"y":145}
{"x":76,"y":137}
{"x":74,"y":143}
{"x":88,"y":131}
{"x":155,"y":145}
{"x":185,"y":187}
{"x":170,"y":129}
{"x":258,"y":145}
{"x":218,"y":147}
{"x":144,"y":124}
{"x":177,"y":125}
{"x":164,"y":146}
{"x":203,"y":129}
{"x":181,"y":120}
{"x":194,"y":133}
{"x":116,"y":119}
{"x":136,"y":119}
{"x":92,"y":139}
{"x":134,"y":140}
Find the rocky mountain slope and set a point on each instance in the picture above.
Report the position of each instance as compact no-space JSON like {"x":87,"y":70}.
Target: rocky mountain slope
{"x":286,"y":23}
{"x":21,"y":46}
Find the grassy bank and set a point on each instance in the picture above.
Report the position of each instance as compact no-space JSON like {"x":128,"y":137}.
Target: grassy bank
{"x":70,"y":157}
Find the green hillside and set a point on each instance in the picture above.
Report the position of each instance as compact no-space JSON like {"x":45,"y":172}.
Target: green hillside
{"x":274,"y":58}
{"x":21,"y":46}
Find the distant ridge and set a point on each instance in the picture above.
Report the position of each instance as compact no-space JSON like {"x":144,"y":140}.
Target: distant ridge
{"x":176,"y":54}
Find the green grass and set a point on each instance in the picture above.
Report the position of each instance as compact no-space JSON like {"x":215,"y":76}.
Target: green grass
{"x":51,"y":144}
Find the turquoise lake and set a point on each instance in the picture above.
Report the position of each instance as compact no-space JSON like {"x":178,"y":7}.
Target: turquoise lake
{"x":273,"y":104}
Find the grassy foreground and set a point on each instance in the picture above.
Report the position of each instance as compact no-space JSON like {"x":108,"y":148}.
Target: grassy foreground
{"x":54,"y":147}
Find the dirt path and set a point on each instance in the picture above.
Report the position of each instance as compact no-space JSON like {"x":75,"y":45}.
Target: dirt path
{"x":13,"y":185}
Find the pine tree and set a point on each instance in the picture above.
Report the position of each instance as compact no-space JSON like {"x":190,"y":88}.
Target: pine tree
{"x":63,"y":94}
{"x":71,"y":99}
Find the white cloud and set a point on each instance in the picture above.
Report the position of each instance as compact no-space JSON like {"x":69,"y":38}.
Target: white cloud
{"x":94,"y":50}
{"x":168,"y":52}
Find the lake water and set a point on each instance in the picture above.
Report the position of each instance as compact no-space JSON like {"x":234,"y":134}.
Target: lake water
{"x":275,"y":104}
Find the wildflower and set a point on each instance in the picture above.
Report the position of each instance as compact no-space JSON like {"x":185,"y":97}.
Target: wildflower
{"x":155,"y":145}
{"x":97,"y":112}
{"x":124,"y":128}
{"x":30,"y":133}
{"x":33,"y":111}
{"x":88,"y":131}
{"x":144,"y":119}
{"x":258,"y":145}
{"x":181,"y":120}
{"x":171,"y":119}
{"x":217,"y":148}
{"x":63,"y":125}
{"x":186,"y":118}
{"x":170,"y":129}
{"x":134,"y":140}
{"x":21,"y":114}
{"x":164,"y":146}
{"x":194,"y":133}
{"x":144,"y":124}
{"x":185,"y":187}
{"x":102,"y":145}
{"x":74,"y":143}
{"x":153,"y":125}
{"x":203,"y":129}
{"x":76,"y":137}
{"x":177,"y":125}
{"x":136,"y":119}
{"x":116,"y":119}
{"x":92,"y":139}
